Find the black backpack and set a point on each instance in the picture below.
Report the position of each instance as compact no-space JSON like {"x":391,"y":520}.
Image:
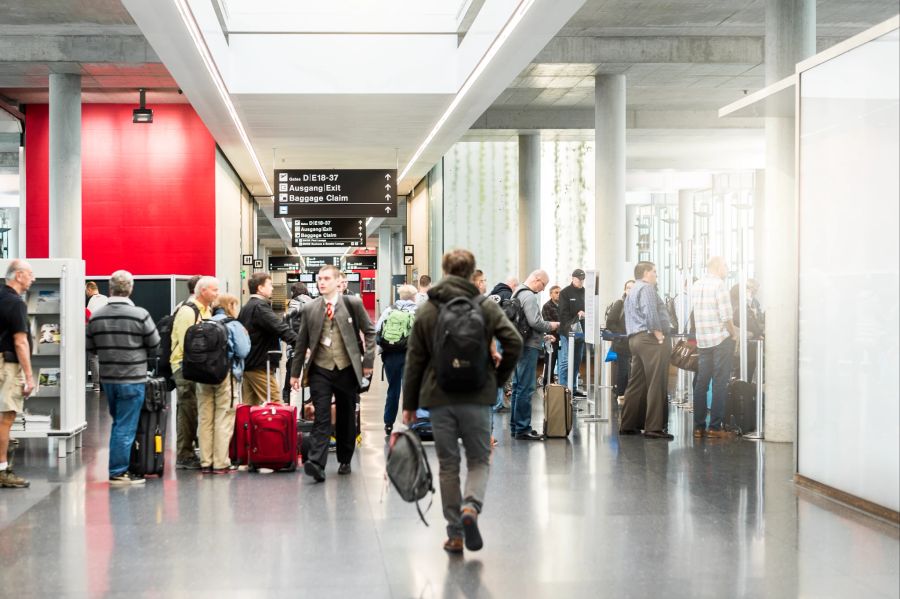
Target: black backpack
{"x":460,"y":354}
{"x":409,"y":470}
{"x":206,"y":352}
{"x":164,"y":328}
{"x":515,"y":312}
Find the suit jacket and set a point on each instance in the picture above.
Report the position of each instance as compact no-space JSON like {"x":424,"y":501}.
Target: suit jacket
{"x":350,"y":317}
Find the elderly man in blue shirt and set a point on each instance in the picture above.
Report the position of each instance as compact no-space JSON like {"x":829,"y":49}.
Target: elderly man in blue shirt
{"x":648,"y":328}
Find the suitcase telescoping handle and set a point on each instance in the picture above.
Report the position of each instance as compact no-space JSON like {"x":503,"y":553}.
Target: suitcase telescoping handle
{"x":270,"y":354}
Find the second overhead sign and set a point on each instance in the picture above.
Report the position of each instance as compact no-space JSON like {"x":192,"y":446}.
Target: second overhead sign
{"x":329,"y":232}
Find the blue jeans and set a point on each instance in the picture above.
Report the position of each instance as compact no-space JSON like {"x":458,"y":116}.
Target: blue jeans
{"x":499,"y":403}
{"x":714,"y":364}
{"x":393,"y":369}
{"x":125,"y":403}
{"x":563,"y":363}
{"x":524,"y":382}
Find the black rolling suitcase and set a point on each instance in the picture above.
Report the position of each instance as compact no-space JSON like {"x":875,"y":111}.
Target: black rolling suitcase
{"x":148,"y":449}
{"x":740,"y":407}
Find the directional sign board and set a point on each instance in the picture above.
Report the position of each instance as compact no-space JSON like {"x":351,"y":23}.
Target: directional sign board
{"x":361,"y":263}
{"x":284,"y":263}
{"x":314,"y":263}
{"x":329,"y":232}
{"x":324,"y":193}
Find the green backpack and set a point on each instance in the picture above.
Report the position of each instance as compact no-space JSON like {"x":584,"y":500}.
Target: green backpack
{"x":396,"y":329}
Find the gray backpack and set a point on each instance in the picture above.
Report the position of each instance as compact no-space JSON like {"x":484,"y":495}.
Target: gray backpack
{"x":408,"y":469}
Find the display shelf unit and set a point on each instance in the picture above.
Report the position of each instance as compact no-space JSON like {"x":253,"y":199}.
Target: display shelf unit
{"x":56,"y":315}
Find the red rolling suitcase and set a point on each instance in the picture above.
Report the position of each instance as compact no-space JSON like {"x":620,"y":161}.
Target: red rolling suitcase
{"x":273,"y":437}
{"x":272,"y":434}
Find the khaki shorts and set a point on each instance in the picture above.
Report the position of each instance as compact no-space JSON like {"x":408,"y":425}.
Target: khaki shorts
{"x":12,"y":384}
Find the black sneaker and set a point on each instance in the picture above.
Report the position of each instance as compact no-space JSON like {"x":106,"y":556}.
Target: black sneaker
{"x":315,"y":471}
{"x":344,"y":469}
{"x":474,"y":541}
{"x":188,"y":464}
{"x":388,"y":429}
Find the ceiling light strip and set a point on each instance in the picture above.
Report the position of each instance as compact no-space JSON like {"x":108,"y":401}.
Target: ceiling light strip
{"x":191,"y":23}
{"x":495,"y":46}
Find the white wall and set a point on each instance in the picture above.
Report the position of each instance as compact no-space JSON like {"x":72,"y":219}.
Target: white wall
{"x":228,"y":227}
{"x":849,"y":364}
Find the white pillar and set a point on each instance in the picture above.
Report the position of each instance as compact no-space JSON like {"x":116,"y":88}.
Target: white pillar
{"x":790,"y":37}
{"x":529,"y":204}
{"x":385,"y":269}
{"x":65,"y":166}
{"x":686,"y":228}
{"x":609,"y":168}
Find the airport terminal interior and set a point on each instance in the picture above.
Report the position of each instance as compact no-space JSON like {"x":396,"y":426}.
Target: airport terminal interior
{"x":619,"y":159}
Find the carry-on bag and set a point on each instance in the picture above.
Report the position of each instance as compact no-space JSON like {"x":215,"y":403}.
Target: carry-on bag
{"x":408,"y":469}
{"x":148,"y":449}
{"x":240,"y":440}
{"x":273,"y":433}
{"x":557,"y":407}
{"x":740,"y":407}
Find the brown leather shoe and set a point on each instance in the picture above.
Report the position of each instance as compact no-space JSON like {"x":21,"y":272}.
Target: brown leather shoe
{"x":699,"y":433}
{"x":453,"y":545}
{"x":717,"y":433}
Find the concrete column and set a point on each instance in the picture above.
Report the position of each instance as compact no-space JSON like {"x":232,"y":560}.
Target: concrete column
{"x":609,"y":168}
{"x":385,"y":269}
{"x":631,"y":236}
{"x":790,"y":37}
{"x":759,"y":218}
{"x":529,"y":204}
{"x":65,"y":166}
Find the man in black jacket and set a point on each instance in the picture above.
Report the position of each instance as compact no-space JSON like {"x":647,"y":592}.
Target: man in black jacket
{"x":504,"y":290}
{"x":550,"y":313}
{"x":571,"y":312}
{"x":265,"y":329}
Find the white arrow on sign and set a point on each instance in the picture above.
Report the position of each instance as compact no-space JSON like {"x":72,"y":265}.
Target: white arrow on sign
{"x":387,"y":209}
{"x":387,"y":197}
{"x":388,"y":187}
{"x":387,"y":176}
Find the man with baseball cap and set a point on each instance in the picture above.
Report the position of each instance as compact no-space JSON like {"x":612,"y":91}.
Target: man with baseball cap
{"x":571,"y":312}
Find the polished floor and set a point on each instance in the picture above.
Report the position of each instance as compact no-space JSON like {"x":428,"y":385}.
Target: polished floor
{"x":592,"y":516}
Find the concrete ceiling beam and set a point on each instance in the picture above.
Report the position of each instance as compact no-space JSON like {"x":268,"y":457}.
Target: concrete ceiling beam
{"x":48,"y":49}
{"x":581,"y":118}
{"x":636,"y":50}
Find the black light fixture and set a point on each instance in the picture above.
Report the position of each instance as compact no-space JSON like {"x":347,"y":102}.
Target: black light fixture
{"x":142,"y":114}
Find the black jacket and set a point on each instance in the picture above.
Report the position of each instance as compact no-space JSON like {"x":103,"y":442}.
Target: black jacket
{"x":615,"y":322}
{"x":265,"y":329}
{"x":571,"y":302}
{"x":550,"y":313}
{"x":502,"y":290}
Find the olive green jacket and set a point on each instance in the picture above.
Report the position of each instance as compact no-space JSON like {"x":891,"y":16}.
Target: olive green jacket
{"x":420,"y":388}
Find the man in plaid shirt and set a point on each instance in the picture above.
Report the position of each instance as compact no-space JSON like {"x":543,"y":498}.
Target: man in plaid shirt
{"x":715,"y":342}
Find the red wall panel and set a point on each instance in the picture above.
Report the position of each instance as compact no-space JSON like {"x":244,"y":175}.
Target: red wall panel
{"x":148,"y":190}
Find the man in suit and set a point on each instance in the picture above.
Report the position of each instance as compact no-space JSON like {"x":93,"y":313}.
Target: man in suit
{"x":330,"y":328}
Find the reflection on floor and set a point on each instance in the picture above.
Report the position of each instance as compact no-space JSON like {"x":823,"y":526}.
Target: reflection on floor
{"x":592,"y":516}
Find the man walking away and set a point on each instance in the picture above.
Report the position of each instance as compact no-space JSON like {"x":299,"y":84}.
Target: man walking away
{"x":715,"y":341}
{"x":265,"y":329}
{"x":424,"y":286}
{"x":525,"y":377}
{"x":647,"y":325}
{"x":464,"y":412}
{"x":96,"y":300}
{"x":571,"y":312}
{"x":124,"y":337}
{"x":16,"y":376}
{"x":189,"y":313}
{"x":392,"y":335}
{"x":331,"y":328}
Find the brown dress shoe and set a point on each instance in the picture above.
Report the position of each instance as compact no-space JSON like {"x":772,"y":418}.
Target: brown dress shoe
{"x":699,"y":433}
{"x":717,"y":433}
{"x":453,"y":545}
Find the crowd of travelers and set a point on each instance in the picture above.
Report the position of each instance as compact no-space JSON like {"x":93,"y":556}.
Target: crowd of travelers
{"x":454,"y":351}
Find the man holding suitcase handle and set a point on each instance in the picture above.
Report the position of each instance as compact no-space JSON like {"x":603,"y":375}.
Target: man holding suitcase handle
{"x":338,"y":365}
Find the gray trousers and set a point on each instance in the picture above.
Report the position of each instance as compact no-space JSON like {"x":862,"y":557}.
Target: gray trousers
{"x":185,"y":418}
{"x":94,"y":364}
{"x":472,"y":424}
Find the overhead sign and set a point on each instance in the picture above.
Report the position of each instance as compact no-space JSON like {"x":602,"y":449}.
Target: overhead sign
{"x":329,"y":232}
{"x":284,"y":263}
{"x":361,"y":263}
{"x":324,"y":193}
{"x":300,"y":277}
{"x":314,"y":263}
